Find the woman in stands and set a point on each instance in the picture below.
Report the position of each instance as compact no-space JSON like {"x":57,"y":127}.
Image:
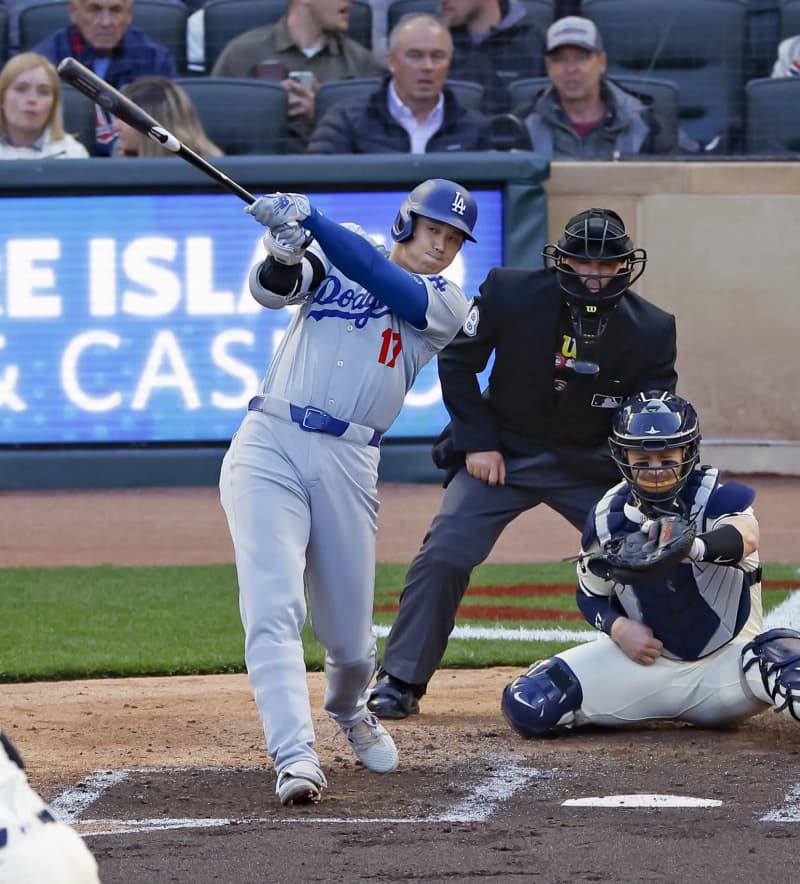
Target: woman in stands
{"x":31,"y":115}
{"x":171,"y":105}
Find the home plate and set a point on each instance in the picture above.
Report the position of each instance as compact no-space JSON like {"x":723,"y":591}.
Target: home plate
{"x":641,"y":801}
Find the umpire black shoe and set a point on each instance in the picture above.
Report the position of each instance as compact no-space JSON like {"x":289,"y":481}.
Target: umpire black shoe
{"x":392,"y":698}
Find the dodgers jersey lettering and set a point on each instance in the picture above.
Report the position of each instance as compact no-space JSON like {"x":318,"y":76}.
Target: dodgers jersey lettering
{"x":375,"y":354}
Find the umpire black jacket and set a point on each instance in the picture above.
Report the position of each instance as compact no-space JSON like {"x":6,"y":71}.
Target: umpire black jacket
{"x":366,"y":126}
{"x":520,"y":321}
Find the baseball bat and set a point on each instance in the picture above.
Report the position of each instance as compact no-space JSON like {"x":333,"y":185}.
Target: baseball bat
{"x":110,"y":99}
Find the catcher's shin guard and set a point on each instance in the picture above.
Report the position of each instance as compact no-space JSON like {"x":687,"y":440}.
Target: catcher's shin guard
{"x":777,"y":653}
{"x":542,"y":701}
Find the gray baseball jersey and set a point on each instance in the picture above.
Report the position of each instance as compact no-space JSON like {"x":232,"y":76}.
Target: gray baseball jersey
{"x":302,"y":506}
{"x":346,"y":353}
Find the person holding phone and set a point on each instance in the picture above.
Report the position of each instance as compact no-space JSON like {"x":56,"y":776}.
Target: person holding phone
{"x":311,"y":38}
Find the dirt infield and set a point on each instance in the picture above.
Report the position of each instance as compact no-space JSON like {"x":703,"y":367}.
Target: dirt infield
{"x":185,"y":526}
{"x":168,"y":778}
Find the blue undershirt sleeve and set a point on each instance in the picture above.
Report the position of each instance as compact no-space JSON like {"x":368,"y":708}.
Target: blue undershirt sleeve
{"x":599,"y":611}
{"x":402,"y":292}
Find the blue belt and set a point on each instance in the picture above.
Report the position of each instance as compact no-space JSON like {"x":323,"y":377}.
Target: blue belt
{"x":315,"y":420}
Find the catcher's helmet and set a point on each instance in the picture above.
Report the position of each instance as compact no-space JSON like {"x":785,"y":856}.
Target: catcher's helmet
{"x":440,"y":200}
{"x":655,"y":421}
{"x":594,"y":235}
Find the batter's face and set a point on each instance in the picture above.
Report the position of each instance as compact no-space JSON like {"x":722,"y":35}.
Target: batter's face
{"x":459,"y":13}
{"x":431,"y":249}
{"x":595,"y":275}
{"x":331,"y":16}
{"x":102,"y":22}
{"x":576,"y":72}
{"x":27,"y":105}
{"x":656,"y":471}
{"x":420,"y":61}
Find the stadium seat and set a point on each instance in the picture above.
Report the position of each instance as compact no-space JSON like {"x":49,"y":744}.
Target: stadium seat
{"x":78,"y":116}
{"x":696,"y":44}
{"x":335,"y":91}
{"x":790,"y":21}
{"x":763,"y":36}
{"x":241,"y":116}
{"x":540,"y":12}
{"x":662,"y":93}
{"x":163,"y":20}
{"x":3,"y":34}
{"x":396,"y":9}
{"x":226,"y":19}
{"x":773,"y":124}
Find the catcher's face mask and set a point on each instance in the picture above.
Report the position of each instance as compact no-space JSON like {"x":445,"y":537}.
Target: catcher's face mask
{"x":658,"y":472}
{"x":655,"y":444}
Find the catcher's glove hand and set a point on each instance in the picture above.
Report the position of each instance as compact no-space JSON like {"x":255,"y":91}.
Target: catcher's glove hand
{"x":643,"y":557}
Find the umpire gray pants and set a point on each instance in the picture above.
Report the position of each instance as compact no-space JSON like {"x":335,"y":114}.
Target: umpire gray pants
{"x":462,"y":534}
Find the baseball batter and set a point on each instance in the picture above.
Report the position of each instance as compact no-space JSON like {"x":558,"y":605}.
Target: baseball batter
{"x":686,"y":645}
{"x":35,"y":847}
{"x":298,"y":483}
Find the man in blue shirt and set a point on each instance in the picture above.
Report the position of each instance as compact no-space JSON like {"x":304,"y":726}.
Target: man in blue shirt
{"x":102,"y":38}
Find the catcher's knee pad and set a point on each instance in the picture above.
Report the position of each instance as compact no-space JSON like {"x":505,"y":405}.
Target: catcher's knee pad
{"x":542,"y":701}
{"x":777,"y":653}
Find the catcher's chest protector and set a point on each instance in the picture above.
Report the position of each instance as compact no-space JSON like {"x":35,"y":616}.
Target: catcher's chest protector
{"x":705,"y":605}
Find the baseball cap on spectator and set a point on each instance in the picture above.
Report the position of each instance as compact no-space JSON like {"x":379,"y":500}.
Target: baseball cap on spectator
{"x":572,"y":30}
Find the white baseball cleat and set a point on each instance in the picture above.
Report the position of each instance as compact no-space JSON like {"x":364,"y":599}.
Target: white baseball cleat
{"x":300,"y":783}
{"x":373,"y":745}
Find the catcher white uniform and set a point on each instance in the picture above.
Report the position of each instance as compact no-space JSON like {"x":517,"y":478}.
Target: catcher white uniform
{"x":35,"y":847}
{"x":682,"y":641}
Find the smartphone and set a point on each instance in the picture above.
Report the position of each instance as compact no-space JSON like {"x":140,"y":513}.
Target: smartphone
{"x":304,"y":78}
{"x":270,"y":70}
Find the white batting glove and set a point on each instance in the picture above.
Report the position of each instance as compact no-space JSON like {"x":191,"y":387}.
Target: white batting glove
{"x":275,"y":209}
{"x":287,"y":243}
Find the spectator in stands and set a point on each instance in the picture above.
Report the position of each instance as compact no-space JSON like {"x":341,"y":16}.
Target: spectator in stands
{"x":171,"y":105}
{"x":413,"y":111}
{"x":787,"y":64}
{"x":310,"y":37}
{"x":31,"y":119}
{"x":102,"y":38}
{"x":494,"y":44}
{"x":583,"y":114}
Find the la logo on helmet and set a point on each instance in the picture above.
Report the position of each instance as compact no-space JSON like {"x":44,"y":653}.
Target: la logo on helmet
{"x":459,"y":206}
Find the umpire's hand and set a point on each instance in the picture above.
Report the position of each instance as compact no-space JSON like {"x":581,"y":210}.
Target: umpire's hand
{"x":488,"y":466}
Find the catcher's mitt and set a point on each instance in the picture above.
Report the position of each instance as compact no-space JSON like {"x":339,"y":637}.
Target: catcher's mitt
{"x":643,"y":557}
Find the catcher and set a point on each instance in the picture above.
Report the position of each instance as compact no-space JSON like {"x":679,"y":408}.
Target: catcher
{"x":669,"y":571}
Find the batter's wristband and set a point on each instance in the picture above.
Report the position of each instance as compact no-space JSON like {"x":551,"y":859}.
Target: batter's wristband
{"x":279,"y":278}
{"x":724,"y":546}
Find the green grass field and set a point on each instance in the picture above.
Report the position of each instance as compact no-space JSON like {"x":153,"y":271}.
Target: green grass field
{"x":64,"y":623}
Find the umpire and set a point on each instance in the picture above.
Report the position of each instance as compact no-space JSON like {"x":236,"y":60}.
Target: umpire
{"x":570,"y":342}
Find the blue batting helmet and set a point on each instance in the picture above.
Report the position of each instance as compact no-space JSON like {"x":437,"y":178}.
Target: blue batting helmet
{"x":440,"y":200}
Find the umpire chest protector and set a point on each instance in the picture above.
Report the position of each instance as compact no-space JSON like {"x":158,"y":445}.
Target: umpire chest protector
{"x":521,"y":320}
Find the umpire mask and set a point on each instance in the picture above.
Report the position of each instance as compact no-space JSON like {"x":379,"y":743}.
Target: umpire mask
{"x":593,"y":235}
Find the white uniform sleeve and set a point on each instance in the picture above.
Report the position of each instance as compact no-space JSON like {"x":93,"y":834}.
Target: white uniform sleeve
{"x":275,"y":300}
{"x":447,"y":311}
{"x":591,"y":584}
